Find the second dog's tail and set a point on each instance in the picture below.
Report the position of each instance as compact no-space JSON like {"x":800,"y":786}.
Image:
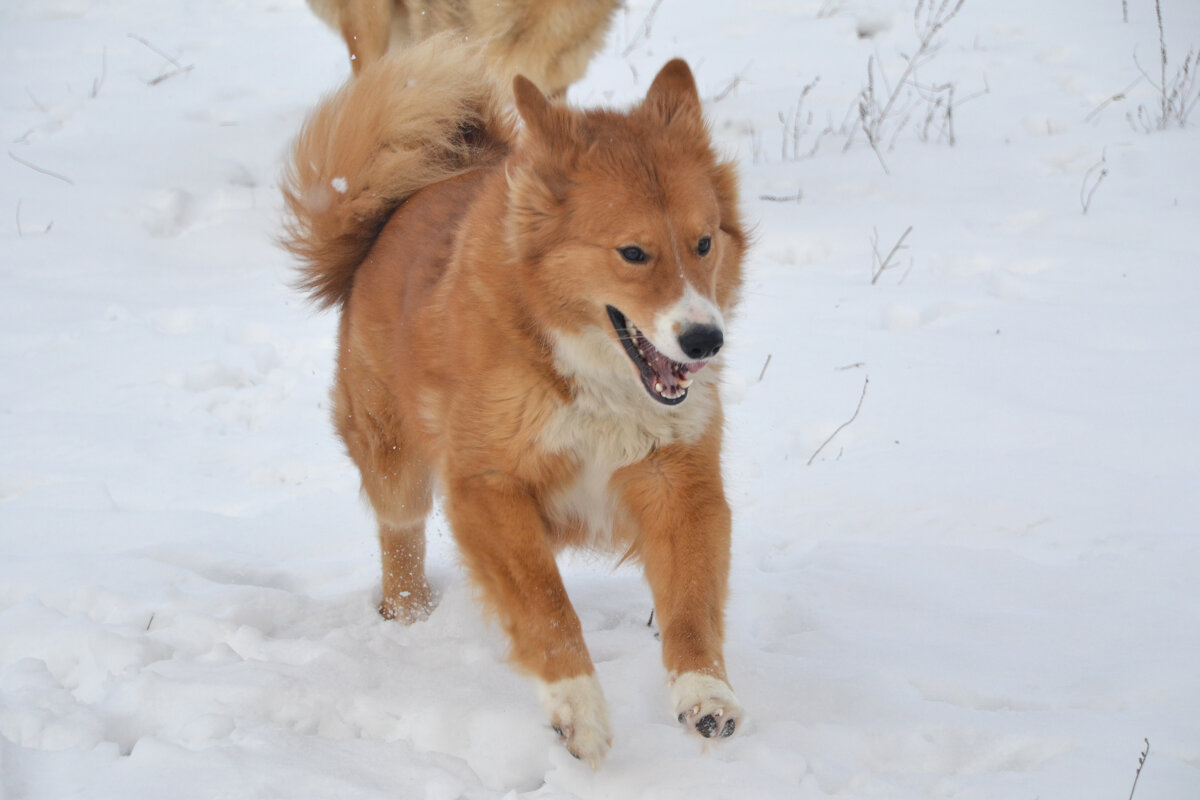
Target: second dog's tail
{"x":405,"y":122}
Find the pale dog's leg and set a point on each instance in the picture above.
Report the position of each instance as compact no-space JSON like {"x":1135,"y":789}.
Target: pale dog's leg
{"x":576,"y":709}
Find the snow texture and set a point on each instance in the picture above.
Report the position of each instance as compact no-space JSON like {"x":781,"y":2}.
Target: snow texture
{"x":985,"y":586}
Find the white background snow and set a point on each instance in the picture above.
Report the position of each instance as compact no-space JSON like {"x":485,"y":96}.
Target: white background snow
{"x":986,"y":586}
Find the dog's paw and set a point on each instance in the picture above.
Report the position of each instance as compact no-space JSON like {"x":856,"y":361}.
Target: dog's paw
{"x":408,"y":607}
{"x":705,"y":704}
{"x":578,"y":713}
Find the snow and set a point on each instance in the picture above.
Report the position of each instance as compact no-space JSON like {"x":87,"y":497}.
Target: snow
{"x":983,"y":587}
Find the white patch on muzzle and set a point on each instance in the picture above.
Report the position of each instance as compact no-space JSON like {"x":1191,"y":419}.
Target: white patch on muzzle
{"x":689,"y":310}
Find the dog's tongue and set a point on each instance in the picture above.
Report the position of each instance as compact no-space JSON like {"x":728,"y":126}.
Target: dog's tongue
{"x":671,"y":377}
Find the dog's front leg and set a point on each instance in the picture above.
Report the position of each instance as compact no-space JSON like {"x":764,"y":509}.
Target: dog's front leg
{"x":503,"y":540}
{"x":677,"y":500}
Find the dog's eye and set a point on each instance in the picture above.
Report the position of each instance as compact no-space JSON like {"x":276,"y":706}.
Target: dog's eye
{"x":704,"y":245}
{"x":634,"y":255}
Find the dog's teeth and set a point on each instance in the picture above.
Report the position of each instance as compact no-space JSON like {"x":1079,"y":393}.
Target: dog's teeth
{"x":685,"y":383}
{"x":658,"y":387}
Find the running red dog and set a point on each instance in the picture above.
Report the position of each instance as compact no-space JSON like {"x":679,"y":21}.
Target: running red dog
{"x":530,"y":320}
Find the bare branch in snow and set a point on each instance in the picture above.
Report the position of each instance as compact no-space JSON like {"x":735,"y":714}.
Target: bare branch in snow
{"x":643,"y":31}
{"x":787,"y":198}
{"x":42,"y":170}
{"x":842,"y":427}
{"x":886,"y":263}
{"x":1085,"y":194}
{"x":1141,"y":763}
{"x":171,"y":73}
{"x":766,"y":364}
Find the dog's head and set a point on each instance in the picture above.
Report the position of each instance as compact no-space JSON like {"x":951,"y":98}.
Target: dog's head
{"x":629,"y":223}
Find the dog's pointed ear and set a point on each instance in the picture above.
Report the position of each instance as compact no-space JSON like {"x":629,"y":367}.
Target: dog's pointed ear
{"x":532,"y":105}
{"x":673,"y":94}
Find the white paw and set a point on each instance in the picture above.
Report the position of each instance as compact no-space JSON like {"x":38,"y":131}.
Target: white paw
{"x":705,"y":704}
{"x":577,"y":711}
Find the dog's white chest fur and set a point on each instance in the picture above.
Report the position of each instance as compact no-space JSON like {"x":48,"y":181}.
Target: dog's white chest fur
{"x":610,"y":424}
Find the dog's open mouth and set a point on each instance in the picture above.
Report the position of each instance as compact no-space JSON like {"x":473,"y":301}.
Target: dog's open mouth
{"x":667,"y":381}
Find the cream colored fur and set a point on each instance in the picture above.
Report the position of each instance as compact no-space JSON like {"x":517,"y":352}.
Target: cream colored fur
{"x":548,"y":41}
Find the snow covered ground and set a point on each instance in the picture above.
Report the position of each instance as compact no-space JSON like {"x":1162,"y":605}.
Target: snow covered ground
{"x":985,"y":586}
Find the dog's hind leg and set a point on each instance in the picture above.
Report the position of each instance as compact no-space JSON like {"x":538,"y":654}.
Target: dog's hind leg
{"x":400,"y":494}
{"x":397,"y":482}
{"x":406,"y":593}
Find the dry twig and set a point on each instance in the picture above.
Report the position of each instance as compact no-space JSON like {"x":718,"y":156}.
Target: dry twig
{"x":1141,"y":763}
{"x":643,"y":31}
{"x":841,"y":427}
{"x":1116,"y":98}
{"x":829,"y":8}
{"x":733,"y":84}
{"x":42,"y":170}
{"x":795,"y":124}
{"x":178,"y":68}
{"x":893,"y":107}
{"x":885,"y":263}
{"x":766,"y":364}
{"x":1085,"y":195}
{"x":1177,"y":97}
{"x":98,"y":82}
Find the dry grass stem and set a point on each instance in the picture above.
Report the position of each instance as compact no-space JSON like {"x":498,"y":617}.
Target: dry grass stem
{"x":737,"y":81}
{"x":766,"y":364}
{"x":829,"y":8}
{"x":643,"y":31}
{"x":1085,"y":194}
{"x":1116,"y":98}
{"x":843,"y":426}
{"x":886,"y":263}
{"x":796,"y":124}
{"x":1141,"y":763}
{"x":42,"y":170}
{"x":178,"y":68}
{"x":733,"y":84}
{"x":883,"y":112}
{"x":37,"y":103}
{"x":98,"y":82}
{"x":1177,"y":97}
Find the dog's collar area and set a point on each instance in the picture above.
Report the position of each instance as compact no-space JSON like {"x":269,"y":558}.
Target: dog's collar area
{"x":667,"y":381}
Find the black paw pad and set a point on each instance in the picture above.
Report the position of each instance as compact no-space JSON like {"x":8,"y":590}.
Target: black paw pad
{"x":707,"y":726}
{"x":730,"y":725}
{"x":683,"y":718}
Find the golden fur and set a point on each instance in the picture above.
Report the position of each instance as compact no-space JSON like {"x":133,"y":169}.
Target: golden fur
{"x":548,"y":41}
{"x":474,"y":264}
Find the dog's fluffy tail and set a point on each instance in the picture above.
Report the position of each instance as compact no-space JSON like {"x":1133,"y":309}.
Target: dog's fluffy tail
{"x":410,"y":120}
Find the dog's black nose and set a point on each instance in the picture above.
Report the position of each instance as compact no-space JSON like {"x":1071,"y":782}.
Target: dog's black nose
{"x":701,"y":342}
